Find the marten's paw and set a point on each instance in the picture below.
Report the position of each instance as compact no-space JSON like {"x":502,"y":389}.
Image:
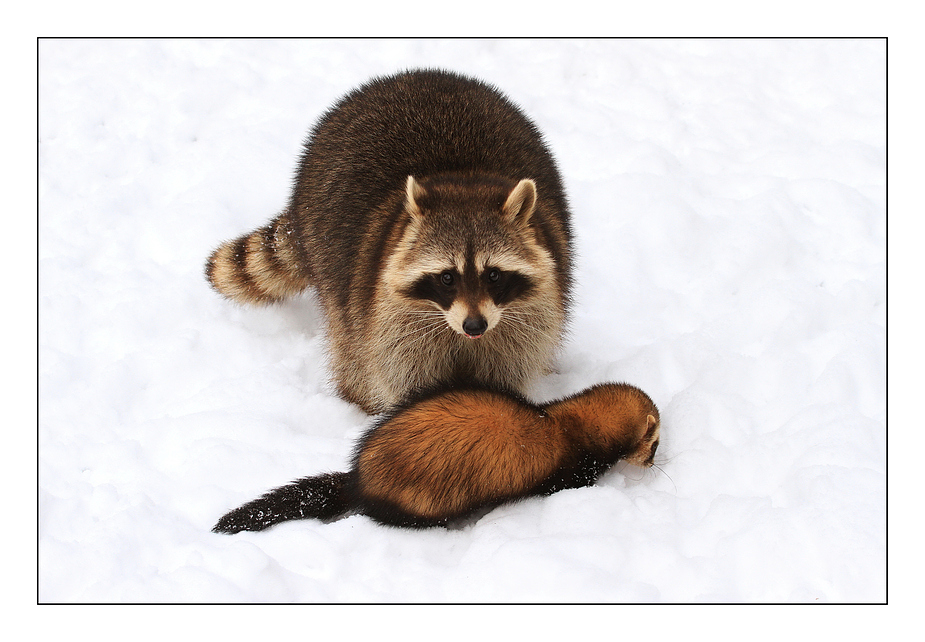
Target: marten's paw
{"x":645,"y":449}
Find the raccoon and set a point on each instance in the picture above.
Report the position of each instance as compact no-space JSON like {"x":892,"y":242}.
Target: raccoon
{"x":455,"y":451}
{"x":431,"y":220}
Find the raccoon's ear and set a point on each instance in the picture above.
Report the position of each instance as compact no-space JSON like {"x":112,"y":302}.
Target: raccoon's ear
{"x":518,"y":208}
{"x":413,"y":194}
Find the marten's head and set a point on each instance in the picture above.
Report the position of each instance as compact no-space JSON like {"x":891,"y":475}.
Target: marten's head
{"x":615,"y":420}
{"x":644,"y":454}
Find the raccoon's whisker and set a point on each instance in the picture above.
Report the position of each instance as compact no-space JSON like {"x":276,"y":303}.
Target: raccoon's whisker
{"x":424,"y":323}
{"x":420,"y":331}
{"x":521,"y":332}
{"x":426,"y":317}
{"x":523,"y":326}
{"x":423,"y":328}
{"x":434,"y":331}
{"x":435,"y":313}
{"x":423,"y":313}
{"x":524,"y":312}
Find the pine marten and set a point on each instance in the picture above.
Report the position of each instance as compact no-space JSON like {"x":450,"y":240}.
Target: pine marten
{"x":450,"y":452}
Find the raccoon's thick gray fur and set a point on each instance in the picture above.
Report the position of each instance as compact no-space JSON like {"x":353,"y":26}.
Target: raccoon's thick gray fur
{"x":431,"y":219}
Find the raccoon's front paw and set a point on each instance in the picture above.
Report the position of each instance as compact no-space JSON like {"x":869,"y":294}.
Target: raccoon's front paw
{"x":254,"y":516}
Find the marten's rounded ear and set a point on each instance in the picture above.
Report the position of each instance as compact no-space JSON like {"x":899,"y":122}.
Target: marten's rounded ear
{"x":413,"y":195}
{"x":520,"y":203}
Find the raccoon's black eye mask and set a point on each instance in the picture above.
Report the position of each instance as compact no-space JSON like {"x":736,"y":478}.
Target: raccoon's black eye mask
{"x":442,"y":288}
{"x":508,"y":286}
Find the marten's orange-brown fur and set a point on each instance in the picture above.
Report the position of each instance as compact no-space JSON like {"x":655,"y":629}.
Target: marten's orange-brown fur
{"x":454,"y":451}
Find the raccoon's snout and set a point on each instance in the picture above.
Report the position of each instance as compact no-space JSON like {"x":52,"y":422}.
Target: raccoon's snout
{"x":474,"y":327}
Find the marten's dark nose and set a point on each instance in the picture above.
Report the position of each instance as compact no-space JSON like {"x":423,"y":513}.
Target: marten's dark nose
{"x":474,"y":326}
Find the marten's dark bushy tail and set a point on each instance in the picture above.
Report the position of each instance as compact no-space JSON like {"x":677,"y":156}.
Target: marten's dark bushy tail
{"x":322,"y":497}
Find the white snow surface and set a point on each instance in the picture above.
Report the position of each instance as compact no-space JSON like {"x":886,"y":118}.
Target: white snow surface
{"x":729,"y":205}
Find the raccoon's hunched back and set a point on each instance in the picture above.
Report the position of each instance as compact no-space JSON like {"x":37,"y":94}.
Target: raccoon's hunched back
{"x":355,"y":164}
{"x":419,"y":123}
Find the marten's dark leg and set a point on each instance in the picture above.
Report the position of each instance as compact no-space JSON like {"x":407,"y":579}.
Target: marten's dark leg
{"x":578,"y":474}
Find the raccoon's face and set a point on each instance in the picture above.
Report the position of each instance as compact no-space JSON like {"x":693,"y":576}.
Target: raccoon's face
{"x":469,"y":251}
{"x":472,"y":292}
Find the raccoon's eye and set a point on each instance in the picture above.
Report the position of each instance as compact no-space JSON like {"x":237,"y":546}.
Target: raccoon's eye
{"x":507,"y":286}
{"x":447,"y":278}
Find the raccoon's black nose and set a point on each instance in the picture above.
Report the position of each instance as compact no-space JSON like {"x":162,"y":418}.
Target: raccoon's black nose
{"x":474,"y":326}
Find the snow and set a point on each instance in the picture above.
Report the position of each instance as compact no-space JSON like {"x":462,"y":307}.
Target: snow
{"x":729,"y":203}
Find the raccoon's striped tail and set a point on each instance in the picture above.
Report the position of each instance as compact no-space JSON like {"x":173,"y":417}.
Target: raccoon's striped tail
{"x":260,"y":267}
{"x":320,"y":497}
